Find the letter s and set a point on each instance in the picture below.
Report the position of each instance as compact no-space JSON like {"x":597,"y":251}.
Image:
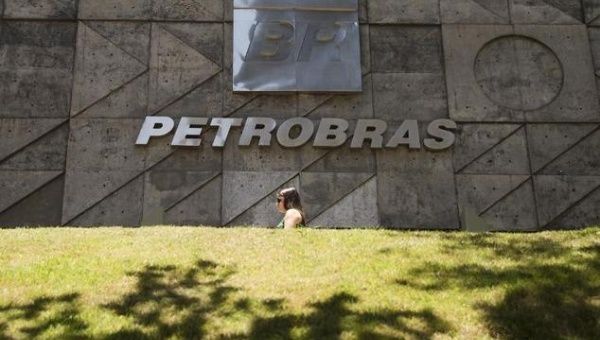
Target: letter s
{"x":443,"y":138}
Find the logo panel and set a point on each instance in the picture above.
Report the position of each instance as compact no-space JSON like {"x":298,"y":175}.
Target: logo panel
{"x":310,"y":46}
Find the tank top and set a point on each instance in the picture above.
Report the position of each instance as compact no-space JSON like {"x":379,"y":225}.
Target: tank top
{"x":281,"y":224}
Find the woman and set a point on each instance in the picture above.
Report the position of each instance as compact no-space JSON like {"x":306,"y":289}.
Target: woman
{"x":288,"y":203}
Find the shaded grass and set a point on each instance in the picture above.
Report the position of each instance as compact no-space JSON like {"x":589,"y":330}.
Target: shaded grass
{"x":240,"y":283}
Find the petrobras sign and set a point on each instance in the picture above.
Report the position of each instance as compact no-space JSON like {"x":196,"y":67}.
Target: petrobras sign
{"x":296,"y":45}
{"x":299,"y":131}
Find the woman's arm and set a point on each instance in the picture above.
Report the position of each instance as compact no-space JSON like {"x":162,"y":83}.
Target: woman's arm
{"x":292,"y":219}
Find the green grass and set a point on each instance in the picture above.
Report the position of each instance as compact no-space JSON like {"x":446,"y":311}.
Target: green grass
{"x":116,"y":283}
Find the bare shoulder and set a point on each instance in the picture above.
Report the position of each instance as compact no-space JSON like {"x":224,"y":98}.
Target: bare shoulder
{"x":292,"y":219}
{"x":293,"y":213}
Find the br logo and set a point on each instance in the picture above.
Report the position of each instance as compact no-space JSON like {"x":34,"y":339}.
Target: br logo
{"x":311,"y":46}
{"x":277,"y":42}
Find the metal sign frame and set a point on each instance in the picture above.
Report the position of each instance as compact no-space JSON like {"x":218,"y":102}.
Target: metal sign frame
{"x":296,"y":46}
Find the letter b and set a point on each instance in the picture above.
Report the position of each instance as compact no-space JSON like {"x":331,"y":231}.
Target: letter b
{"x":270,"y":41}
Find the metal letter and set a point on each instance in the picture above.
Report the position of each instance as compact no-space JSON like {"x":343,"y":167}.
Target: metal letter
{"x":443,"y":138}
{"x":154,"y":127}
{"x":326,"y":40}
{"x":225,"y":125}
{"x":372,"y":129}
{"x":270,"y":41}
{"x":307,"y":128}
{"x":331,"y":127}
{"x":188,"y":132}
{"x":258,"y":127}
{"x":407,"y":134}
{"x":296,"y":45}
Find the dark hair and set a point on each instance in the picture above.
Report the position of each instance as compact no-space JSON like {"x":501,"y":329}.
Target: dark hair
{"x":291,"y":200}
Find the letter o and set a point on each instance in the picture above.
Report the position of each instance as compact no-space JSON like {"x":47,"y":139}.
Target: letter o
{"x":307,"y":128}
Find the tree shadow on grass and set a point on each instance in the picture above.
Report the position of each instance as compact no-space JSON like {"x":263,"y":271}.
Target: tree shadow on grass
{"x":192,"y":302}
{"x":169,"y":302}
{"x":59,"y":315}
{"x":517,"y":248}
{"x":551,"y":291}
{"x":562,"y":302}
{"x":333,"y":316}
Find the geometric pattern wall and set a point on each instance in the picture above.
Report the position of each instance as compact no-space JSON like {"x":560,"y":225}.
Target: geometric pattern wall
{"x":520,"y":77}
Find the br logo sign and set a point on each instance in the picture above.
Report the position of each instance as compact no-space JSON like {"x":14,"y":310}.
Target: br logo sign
{"x":296,"y":45}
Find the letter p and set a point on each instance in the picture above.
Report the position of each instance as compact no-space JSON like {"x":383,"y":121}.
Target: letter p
{"x":154,"y":127}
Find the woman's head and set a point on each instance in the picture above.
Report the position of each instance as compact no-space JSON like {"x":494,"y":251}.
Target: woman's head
{"x":289,"y":199}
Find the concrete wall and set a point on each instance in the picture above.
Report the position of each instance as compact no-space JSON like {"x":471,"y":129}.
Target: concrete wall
{"x":519,"y":76}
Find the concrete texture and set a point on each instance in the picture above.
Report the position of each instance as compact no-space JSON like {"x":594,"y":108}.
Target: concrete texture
{"x":519,"y":76}
{"x":263,"y":210}
{"x":176,"y":68}
{"x":16,"y":134}
{"x":546,"y":12}
{"x":404,"y":161}
{"x":478,"y":195}
{"x":474,"y":140}
{"x":188,"y":10}
{"x":120,"y":208}
{"x":41,"y":208}
{"x":47,"y":153}
{"x":346,"y":106}
{"x":115,"y":161}
{"x":404,"y":12}
{"x":509,"y":156}
{"x":417,"y":201}
{"x":400,"y":96}
{"x":17,"y":185}
{"x":159,"y":10}
{"x":582,"y":158}
{"x":356,"y":209}
{"x":550,"y":141}
{"x":591,"y":10}
{"x":203,"y":158}
{"x":114,"y":63}
{"x":100,"y":68}
{"x":580,"y":214}
{"x":406,"y":49}
{"x":322,"y":190}
{"x":594,"y":33}
{"x":479,"y":63}
{"x":480,"y":192}
{"x":345,"y":160}
{"x":243,"y":189}
{"x":416,"y":189}
{"x":36,"y":66}
{"x":166,"y":190}
{"x":273,"y":158}
{"x":474,"y":11}
{"x":515,"y":212}
{"x":202,"y":207}
{"x":36,"y":9}
{"x":115,"y":9}
{"x":131,"y":37}
{"x":557,"y":194}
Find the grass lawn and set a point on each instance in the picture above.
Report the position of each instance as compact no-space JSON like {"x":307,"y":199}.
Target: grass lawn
{"x":116,"y":283}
